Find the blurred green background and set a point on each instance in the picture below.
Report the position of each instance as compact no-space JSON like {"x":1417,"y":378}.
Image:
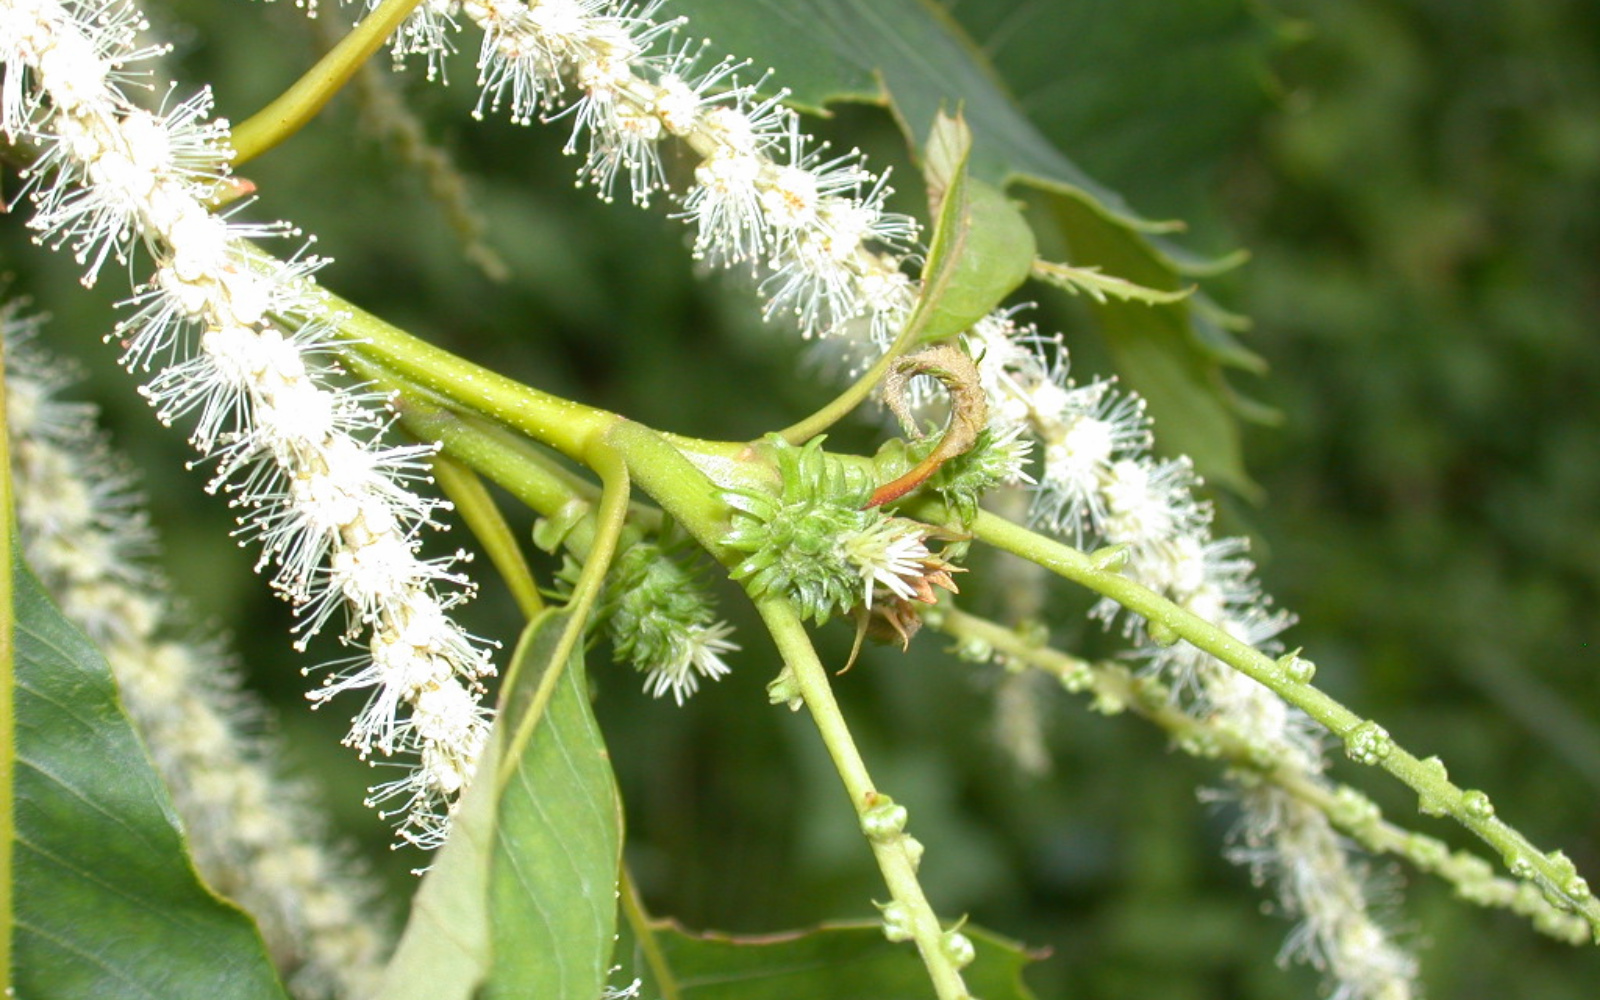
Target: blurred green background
{"x":1418,"y":185}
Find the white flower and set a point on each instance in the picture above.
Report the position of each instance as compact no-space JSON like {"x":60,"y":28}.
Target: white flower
{"x":697,"y":653}
{"x":241,"y":342}
{"x":252,"y":835}
{"x":1149,"y":501}
{"x":763,"y":192}
{"x":891,"y":553}
{"x":1086,"y":432}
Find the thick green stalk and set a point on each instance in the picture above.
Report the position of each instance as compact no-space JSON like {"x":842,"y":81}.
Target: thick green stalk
{"x":562,"y":424}
{"x":680,"y":486}
{"x":519,"y":466}
{"x":896,"y":853}
{"x":1366,"y":742}
{"x":296,"y":106}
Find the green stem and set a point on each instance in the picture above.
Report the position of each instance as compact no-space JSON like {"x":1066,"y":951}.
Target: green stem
{"x":1552,"y":873}
{"x":861,"y":389}
{"x":427,"y":374}
{"x":674,"y":482}
{"x":612,"y":518}
{"x":1115,"y":688}
{"x":517,"y":465}
{"x":562,"y":424}
{"x":897,"y":855}
{"x":521,"y":468}
{"x":644,"y":934}
{"x":296,"y":106}
{"x":483,"y":519}
{"x":948,"y":249}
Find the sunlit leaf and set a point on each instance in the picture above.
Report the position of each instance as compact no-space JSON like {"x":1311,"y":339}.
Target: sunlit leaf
{"x":106,"y":902}
{"x":522,"y":899}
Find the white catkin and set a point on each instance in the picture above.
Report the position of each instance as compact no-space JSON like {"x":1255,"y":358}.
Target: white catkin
{"x":1098,"y":484}
{"x":254,"y":836}
{"x":240,"y":343}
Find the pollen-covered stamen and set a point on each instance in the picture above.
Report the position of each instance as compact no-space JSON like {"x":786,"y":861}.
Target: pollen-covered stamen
{"x":1085,"y":431}
{"x":697,"y":653}
{"x":762,"y":195}
{"x":240,"y":341}
{"x":890,"y":553}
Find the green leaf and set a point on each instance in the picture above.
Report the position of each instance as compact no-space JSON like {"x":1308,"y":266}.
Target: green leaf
{"x":1161,"y":352}
{"x":1102,"y":287}
{"x":833,"y":962}
{"x":981,"y":248}
{"x":558,"y":849}
{"x":1155,"y":95}
{"x":522,"y":899}
{"x":909,"y":56}
{"x":106,"y":901}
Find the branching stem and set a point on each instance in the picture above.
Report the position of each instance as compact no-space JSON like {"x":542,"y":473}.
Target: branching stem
{"x":564,"y":425}
{"x":1552,"y":873}
{"x":1115,"y":687}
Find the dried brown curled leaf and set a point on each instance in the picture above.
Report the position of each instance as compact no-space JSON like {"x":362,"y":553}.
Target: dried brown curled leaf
{"x":969,"y":412}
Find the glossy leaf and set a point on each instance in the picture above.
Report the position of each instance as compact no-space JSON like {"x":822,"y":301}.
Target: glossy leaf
{"x":522,"y":899}
{"x":834,"y":962}
{"x":106,"y":901}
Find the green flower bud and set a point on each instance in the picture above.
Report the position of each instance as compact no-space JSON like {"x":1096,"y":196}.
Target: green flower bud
{"x":884,"y":821}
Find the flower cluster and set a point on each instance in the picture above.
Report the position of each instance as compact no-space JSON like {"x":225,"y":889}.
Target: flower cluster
{"x":239,"y":341}
{"x":659,"y":617}
{"x":336,"y":517}
{"x":813,"y":225}
{"x":251,"y":834}
{"x":1099,"y":485}
{"x":812,"y":540}
{"x":834,"y":258}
